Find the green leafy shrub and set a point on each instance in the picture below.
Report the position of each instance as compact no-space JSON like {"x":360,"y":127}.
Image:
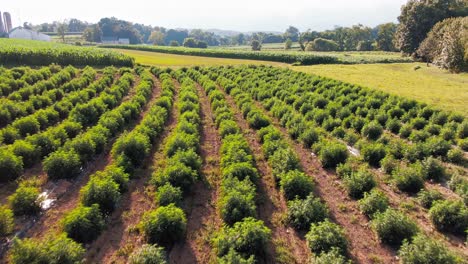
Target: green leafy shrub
{"x":437,"y":146}
{"x":180,"y":142}
{"x":388,"y":164}
{"x":228,"y":127}
{"x":450,"y":216}
{"x":241,"y":171}
{"x":58,"y":250}
{"x":148,"y":254}
{"x":302,"y":213}
{"x":325,"y":236}
{"x":331,"y":154}
{"x":433,"y":169}
{"x":27,"y":125}
{"x":283,"y":160}
{"x":7,"y":223}
{"x":189,"y":158}
{"x":168,"y":194}
{"x":27,"y":151}
{"x":296,"y":184}
{"x":165,"y":225}
{"x":372,"y":130}
{"x":257,"y":120}
{"x":178,"y":175}
{"x":373,"y":153}
{"x":309,"y":137}
{"x":331,"y":257}
{"x":426,"y":250}
{"x":103,"y":191}
{"x":248,"y":237}
{"x":237,"y":201}
{"x":11,"y":166}
{"x":408,"y":179}
{"x":455,"y":156}
{"x":133,"y":147}
{"x":25,"y":200}
{"x":62,"y":165}
{"x":428,"y":197}
{"x":234,"y":257}
{"x":359,"y":183}
{"x":83,"y":224}
{"x":373,"y":202}
{"x":394,"y":227}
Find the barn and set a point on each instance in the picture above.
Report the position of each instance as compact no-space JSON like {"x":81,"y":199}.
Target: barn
{"x":23,"y":33}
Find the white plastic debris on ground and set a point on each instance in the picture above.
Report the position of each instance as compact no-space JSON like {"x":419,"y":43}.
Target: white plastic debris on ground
{"x":355,"y":152}
{"x":46,"y":202}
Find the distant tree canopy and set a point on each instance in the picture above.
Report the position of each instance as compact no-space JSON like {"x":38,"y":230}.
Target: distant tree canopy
{"x":291,"y":33}
{"x":113,"y":27}
{"x":419,"y":16}
{"x":175,"y":35}
{"x":446,"y":45}
{"x":320,"y":44}
{"x":256,"y":45}
{"x":385,"y":36}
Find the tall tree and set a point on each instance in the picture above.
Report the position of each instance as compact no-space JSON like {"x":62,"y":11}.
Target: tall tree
{"x":156,"y":38}
{"x":385,"y":36}
{"x":292,"y":33}
{"x":419,"y":16}
{"x":61,"y":30}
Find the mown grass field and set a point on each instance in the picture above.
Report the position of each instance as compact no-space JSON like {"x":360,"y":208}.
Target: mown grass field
{"x":177,"y":61}
{"x":427,"y":84}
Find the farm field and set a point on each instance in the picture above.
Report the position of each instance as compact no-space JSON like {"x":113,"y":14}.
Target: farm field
{"x":222,"y":164}
{"x":176,"y":61}
{"x":427,"y":84}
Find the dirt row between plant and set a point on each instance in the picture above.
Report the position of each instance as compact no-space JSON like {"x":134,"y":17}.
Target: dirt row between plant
{"x":121,"y":238}
{"x":364,"y":246}
{"x":203,"y":218}
{"x":286,"y":242}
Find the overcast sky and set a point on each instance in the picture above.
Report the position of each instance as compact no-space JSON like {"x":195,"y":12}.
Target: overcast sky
{"x":240,"y":15}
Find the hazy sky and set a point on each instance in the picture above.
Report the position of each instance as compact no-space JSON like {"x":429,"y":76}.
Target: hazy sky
{"x":241,"y":15}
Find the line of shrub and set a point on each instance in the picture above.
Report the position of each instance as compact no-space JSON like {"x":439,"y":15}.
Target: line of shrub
{"x":25,"y":153}
{"x":69,"y":95}
{"x":29,"y":52}
{"x":391,"y":226}
{"x":11,"y":80}
{"x":242,"y":237}
{"x":48,"y":90}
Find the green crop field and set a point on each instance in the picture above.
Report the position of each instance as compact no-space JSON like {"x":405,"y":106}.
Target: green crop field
{"x":428,"y":84}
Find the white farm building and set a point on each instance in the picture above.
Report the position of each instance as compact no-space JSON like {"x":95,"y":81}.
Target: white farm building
{"x":23,"y":33}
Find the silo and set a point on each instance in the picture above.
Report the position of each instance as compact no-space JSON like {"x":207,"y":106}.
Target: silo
{"x":2,"y":30}
{"x":8,"y":25}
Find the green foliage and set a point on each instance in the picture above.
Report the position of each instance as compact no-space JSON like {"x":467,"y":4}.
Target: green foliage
{"x":450,"y":216}
{"x":373,"y":153}
{"x":326,"y":236}
{"x":168,"y":194}
{"x":58,"y":250}
{"x":331,"y":257}
{"x":62,"y":165}
{"x":27,"y":151}
{"x":25,"y":200}
{"x":101,"y":190}
{"x":321,"y":44}
{"x":165,"y":225}
{"x":233,"y":257}
{"x":433,"y":169}
{"x":27,"y":52}
{"x":132,"y":148}
{"x":7,"y":223}
{"x":408,"y":179}
{"x":372,"y":130}
{"x":148,"y":254}
{"x":178,"y":175}
{"x":11,"y":166}
{"x":248,"y":237}
{"x":332,"y":153}
{"x":302,"y":213}
{"x":373,"y":202}
{"x":359,"y":183}
{"x":296,"y":184}
{"x":83,"y":224}
{"x":238,"y":200}
{"x":426,"y":250}
{"x":394,"y":227}
{"x":428,"y":197}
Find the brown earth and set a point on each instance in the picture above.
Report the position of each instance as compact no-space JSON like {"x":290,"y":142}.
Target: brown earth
{"x":202,"y":214}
